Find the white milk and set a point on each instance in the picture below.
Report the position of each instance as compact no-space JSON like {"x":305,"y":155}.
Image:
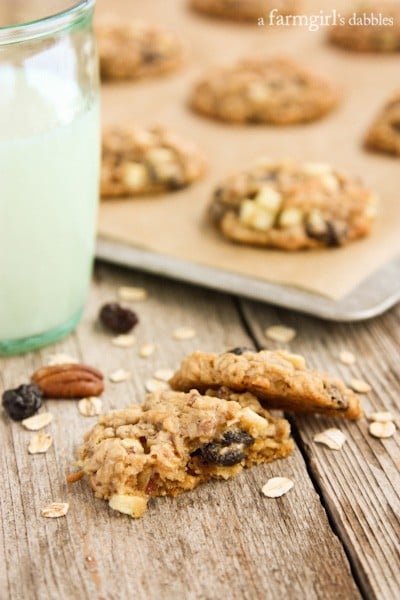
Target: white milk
{"x":48,"y":198}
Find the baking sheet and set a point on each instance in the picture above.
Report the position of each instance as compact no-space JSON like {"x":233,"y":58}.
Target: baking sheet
{"x":173,"y":225}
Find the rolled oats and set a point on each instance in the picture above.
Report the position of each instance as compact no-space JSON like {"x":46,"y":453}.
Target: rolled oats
{"x":123,"y":341}
{"x":38,"y":421}
{"x":156,"y":385}
{"x":277,"y":486}
{"x":60,"y":359}
{"x":347,"y":358}
{"x":360,"y":386}
{"x":333,"y":438}
{"x":40,"y":443}
{"x":163,"y":374}
{"x":146,"y":350}
{"x":90,"y":407}
{"x":132,"y":294}
{"x":128,"y":505}
{"x":119,"y":375}
{"x":280,"y":333}
{"x":381,"y":417}
{"x":184,"y":333}
{"x":382,"y":430}
{"x":55,"y":510}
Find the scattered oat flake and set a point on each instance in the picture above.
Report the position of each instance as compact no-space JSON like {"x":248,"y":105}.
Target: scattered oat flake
{"x":60,"y":359}
{"x":277,"y":486}
{"x":55,"y":510}
{"x":333,"y":438}
{"x":146,"y":350}
{"x":382,"y":430}
{"x":38,"y":421}
{"x":280,"y":333}
{"x":132,"y":294}
{"x":119,"y":375}
{"x":123,"y":341}
{"x":347,"y":358}
{"x":381,"y":417}
{"x":40,"y":443}
{"x":163,"y":374}
{"x":155,"y":385}
{"x":360,"y":386}
{"x":90,"y":407}
{"x":184,"y":333}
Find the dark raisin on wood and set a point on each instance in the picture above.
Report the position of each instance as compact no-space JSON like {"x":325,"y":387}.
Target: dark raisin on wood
{"x":239,"y":350}
{"x":118,"y":319}
{"x":22,"y":402}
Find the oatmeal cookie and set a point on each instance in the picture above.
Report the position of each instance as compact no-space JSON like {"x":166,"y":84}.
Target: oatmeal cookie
{"x":138,"y":161}
{"x":292,"y":206}
{"x":277,"y":378}
{"x":264,"y":90}
{"x":176,"y":441}
{"x":384,"y":134}
{"x":135,"y":49}
{"x":366,"y":32}
{"x":243,"y":10}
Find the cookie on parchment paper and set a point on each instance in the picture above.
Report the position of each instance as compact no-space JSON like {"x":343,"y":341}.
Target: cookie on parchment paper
{"x":384,"y":133}
{"x":244,"y":10}
{"x":138,"y":161}
{"x":136,"y":49}
{"x":276,"y":90}
{"x":292,"y":206}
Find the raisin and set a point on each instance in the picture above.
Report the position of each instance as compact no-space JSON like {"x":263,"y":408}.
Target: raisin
{"x":239,"y":350}
{"x":396,"y":126}
{"x":23,"y":401}
{"x":228,"y":451}
{"x":118,"y":319}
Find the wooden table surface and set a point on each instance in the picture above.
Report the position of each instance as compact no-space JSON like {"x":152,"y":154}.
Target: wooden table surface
{"x":334,"y":535}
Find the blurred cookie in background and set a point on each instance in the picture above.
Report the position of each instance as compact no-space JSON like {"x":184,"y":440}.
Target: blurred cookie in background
{"x":384,"y":134}
{"x":244,"y":10}
{"x":372,"y":27}
{"x":138,"y":161}
{"x":135,"y":49}
{"x":264,"y":90}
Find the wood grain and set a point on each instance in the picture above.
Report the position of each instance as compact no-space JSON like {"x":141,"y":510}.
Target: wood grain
{"x":223,"y":539}
{"x":360,"y":485}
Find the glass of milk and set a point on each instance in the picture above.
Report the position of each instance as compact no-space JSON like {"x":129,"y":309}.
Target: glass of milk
{"x":49,"y":168}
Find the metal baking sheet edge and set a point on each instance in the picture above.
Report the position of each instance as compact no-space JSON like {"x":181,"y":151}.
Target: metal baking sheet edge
{"x":372,"y":297}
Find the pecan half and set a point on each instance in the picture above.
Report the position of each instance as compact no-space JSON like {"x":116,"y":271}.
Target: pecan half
{"x":69,"y":381}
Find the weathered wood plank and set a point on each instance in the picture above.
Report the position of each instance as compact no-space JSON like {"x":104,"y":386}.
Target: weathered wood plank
{"x":360,"y":485}
{"x":221,"y":539}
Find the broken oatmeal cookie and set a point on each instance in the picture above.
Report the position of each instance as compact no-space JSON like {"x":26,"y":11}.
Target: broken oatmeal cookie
{"x":279,"y":380}
{"x":174,"y":442}
{"x":384,"y":134}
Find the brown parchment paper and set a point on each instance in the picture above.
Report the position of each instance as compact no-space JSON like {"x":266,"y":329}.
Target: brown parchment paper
{"x":174,"y":224}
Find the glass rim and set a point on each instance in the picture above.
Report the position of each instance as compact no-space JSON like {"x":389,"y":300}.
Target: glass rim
{"x":30,"y":30}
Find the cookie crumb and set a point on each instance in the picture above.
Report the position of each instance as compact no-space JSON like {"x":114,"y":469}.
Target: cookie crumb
{"x":277,"y":486}
{"x":55,"y":510}
{"x":38,"y":421}
{"x":382,"y":430}
{"x":347,"y":358}
{"x":40,"y":443}
{"x":163,"y":374}
{"x":90,"y":407}
{"x":133,"y":506}
{"x":381,"y":417}
{"x":333,"y":438}
{"x":147,"y":350}
{"x":156,"y":385}
{"x":123,"y":341}
{"x":360,"y":386}
{"x":184,"y":333}
{"x":132,"y":294}
{"x":280,"y":333}
{"x":119,"y":375}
